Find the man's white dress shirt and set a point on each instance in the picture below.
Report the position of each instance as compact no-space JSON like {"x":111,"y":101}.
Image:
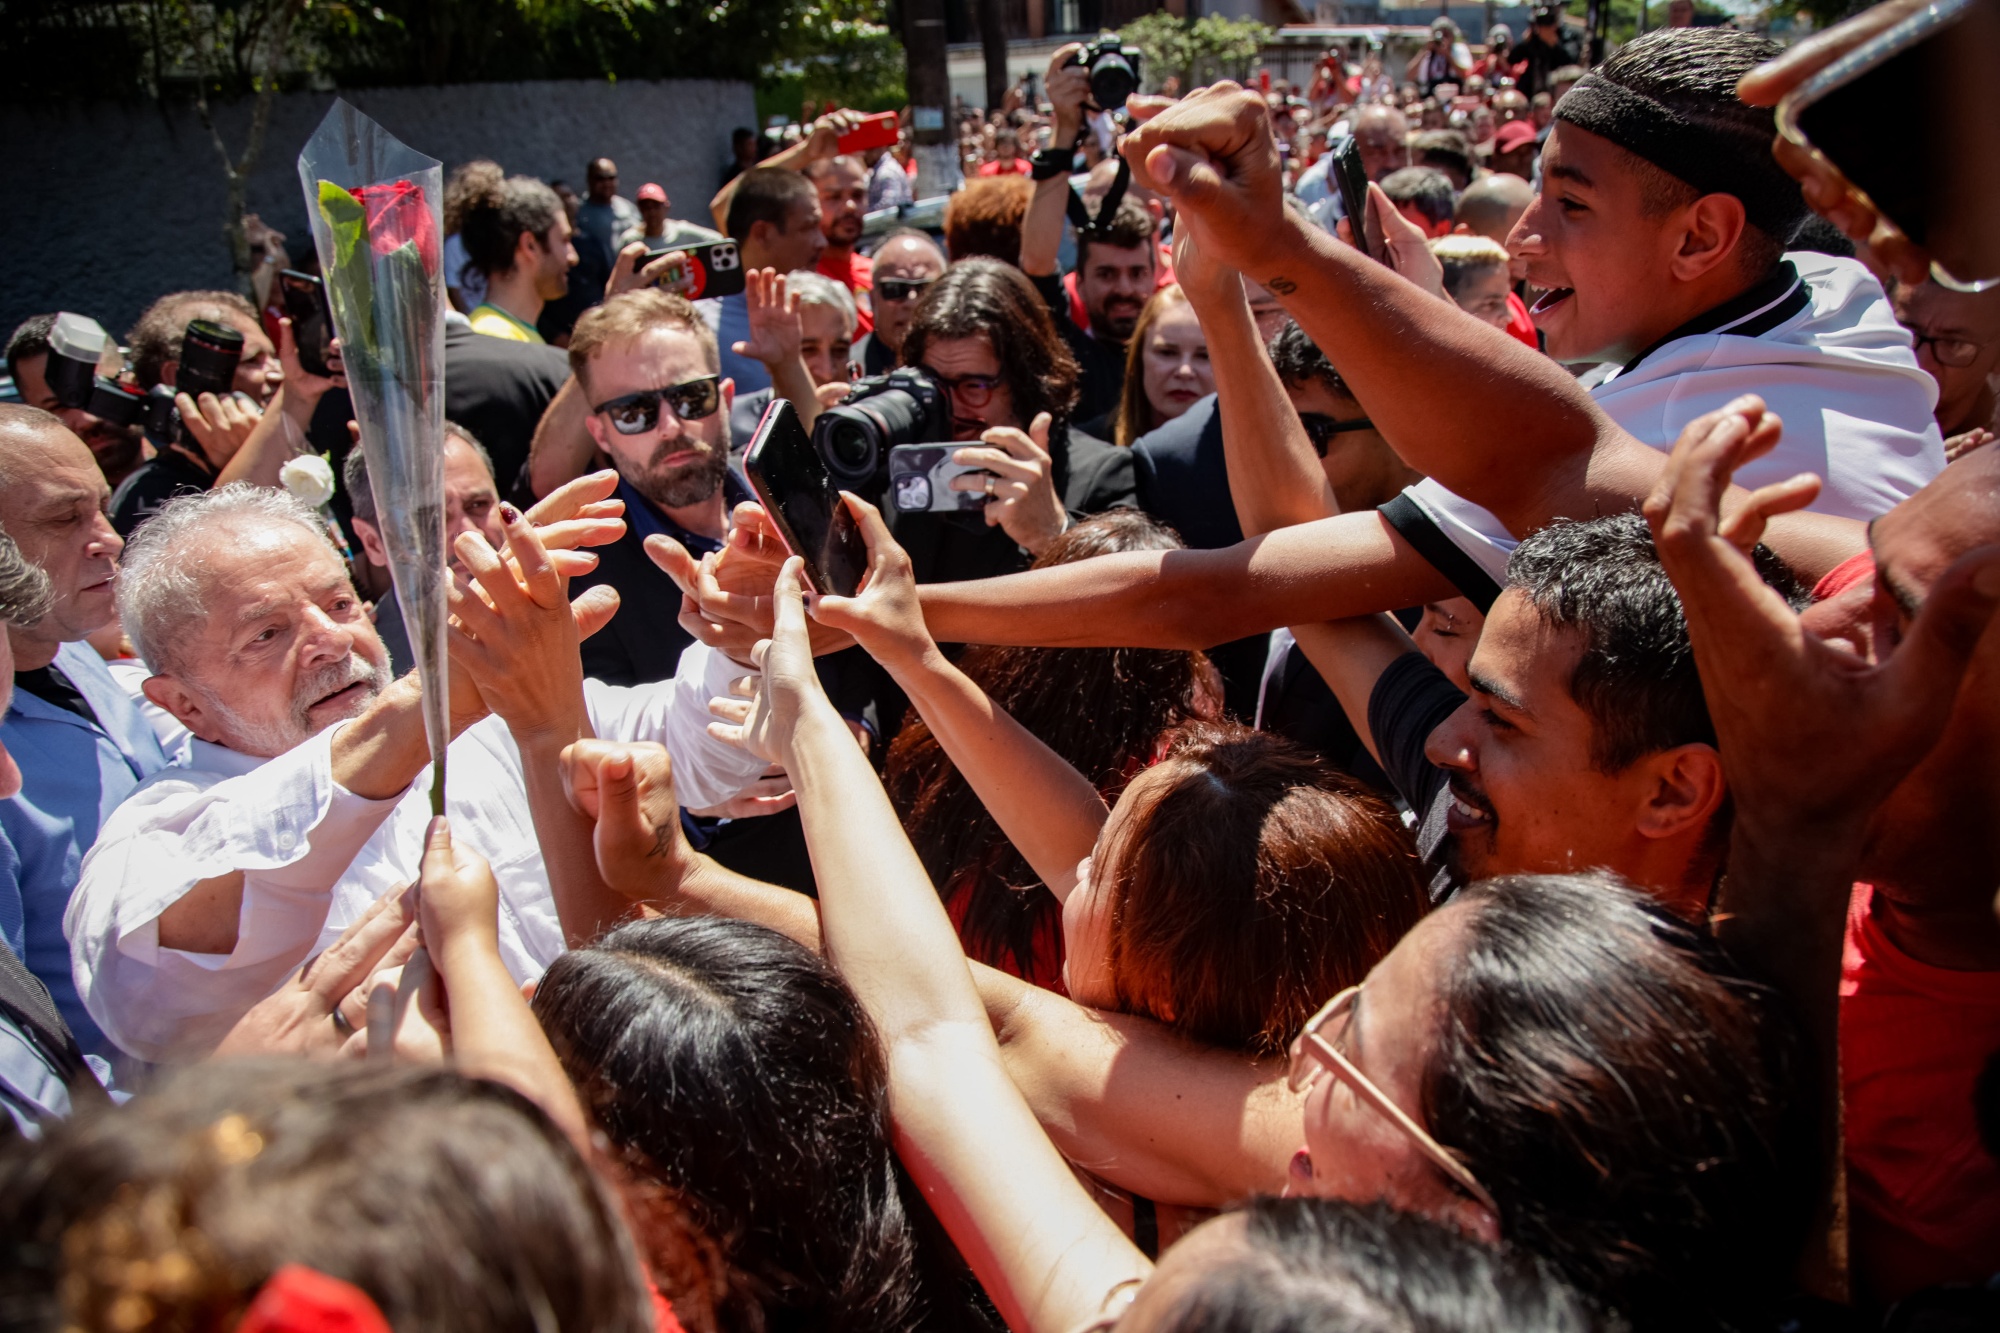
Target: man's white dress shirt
{"x":315,"y":855}
{"x":1821,"y":346}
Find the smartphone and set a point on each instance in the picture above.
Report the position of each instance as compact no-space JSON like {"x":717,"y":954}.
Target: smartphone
{"x":1935,"y":170}
{"x":877,"y":131}
{"x":798,"y":493}
{"x":1352,"y":179}
{"x":312,"y":319}
{"x":920,"y":477}
{"x":715,"y":269}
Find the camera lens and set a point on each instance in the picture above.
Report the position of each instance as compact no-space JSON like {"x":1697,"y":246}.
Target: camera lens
{"x":850,"y":447}
{"x":209,"y":353}
{"x":1112,"y":80}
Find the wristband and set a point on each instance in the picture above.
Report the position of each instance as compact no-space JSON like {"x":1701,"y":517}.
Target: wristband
{"x":1048,"y":163}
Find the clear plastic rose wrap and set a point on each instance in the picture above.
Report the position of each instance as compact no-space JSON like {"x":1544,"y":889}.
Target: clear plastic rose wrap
{"x":375,"y":205}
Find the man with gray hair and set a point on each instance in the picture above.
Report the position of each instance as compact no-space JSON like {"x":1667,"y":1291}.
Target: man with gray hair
{"x":805,"y":343}
{"x":303,"y":793}
{"x":79,"y":741}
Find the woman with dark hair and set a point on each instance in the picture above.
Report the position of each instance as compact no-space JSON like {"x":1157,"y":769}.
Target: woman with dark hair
{"x":733,"y":1070}
{"x":1236,"y":882}
{"x":984,"y":335}
{"x":1103,"y":710}
{"x":422,"y":1197}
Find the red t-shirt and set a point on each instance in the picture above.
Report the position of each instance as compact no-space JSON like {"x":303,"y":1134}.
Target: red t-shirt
{"x":1923,"y":1191}
{"x":857,"y":274}
{"x":1519,"y":326}
{"x":1019,"y":166}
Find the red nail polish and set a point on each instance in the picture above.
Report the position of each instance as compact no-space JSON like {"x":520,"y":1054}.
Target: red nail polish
{"x":509,"y":514}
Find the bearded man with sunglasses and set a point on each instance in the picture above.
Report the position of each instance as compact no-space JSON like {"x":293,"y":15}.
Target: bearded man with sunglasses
{"x":658,"y":406}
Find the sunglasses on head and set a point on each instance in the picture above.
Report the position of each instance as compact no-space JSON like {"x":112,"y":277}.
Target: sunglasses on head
{"x":637,"y":413}
{"x":901,"y":289}
{"x":1321,"y":428}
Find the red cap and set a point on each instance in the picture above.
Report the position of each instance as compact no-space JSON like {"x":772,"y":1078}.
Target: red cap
{"x":652,"y":192}
{"x":1515,"y":134}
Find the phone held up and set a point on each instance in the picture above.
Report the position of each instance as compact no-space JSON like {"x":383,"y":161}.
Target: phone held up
{"x":1935,"y":171}
{"x":1352,"y":179}
{"x":797,"y":491}
{"x":715,"y":269}
{"x":920,"y":477}
{"x":312,"y":320}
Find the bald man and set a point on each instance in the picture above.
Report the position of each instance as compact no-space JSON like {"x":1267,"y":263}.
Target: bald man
{"x":81,"y":743}
{"x":905,"y":265}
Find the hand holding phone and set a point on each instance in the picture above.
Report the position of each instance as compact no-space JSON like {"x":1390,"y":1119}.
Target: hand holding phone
{"x":877,"y":131}
{"x":312,"y":320}
{"x":804,"y":505}
{"x":1352,"y":179}
{"x":715,"y":269}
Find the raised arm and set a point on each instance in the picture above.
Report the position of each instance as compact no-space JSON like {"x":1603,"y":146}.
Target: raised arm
{"x":1067,"y":87}
{"x":1046,"y":808}
{"x":1275,"y":479}
{"x":1045,"y":1253}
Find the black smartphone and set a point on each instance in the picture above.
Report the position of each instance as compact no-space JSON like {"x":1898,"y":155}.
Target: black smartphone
{"x":1935,"y":171}
{"x":715,"y":269}
{"x":312,"y":319}
{"x":1352,"y":180}
{"x":798,"y":493}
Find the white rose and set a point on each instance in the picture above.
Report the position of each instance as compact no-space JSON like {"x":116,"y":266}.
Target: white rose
{"x":309,"y":478}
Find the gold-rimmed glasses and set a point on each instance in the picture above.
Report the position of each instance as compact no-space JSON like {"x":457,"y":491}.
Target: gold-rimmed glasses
{"x":1315,"y":1051}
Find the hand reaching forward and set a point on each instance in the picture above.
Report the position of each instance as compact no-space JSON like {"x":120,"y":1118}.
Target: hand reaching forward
{"x":884,"y":615}
{"x":299,"y":1018}
{"x":1812,"y":737}
{"x":775,"y":331}
{"x":726,"y":598}
{"x":769,"y":707}
{"x":1024,"y":502}
{"x":515,"y":632}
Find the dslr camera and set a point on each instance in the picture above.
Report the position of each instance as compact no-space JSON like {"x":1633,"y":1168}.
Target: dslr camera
{"x":81,"y":353}
{"x":1114,"y":71}
{"x":905,"y":406}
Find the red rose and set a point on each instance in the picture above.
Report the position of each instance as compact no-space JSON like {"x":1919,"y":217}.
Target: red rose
{"x":397,"y":215}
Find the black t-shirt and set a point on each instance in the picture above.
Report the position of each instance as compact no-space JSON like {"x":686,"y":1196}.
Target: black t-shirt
{"x":1410,"y":700}
{"x":51,"y":686}
{"x":1102,"y":363}
{"x":146,"y":491}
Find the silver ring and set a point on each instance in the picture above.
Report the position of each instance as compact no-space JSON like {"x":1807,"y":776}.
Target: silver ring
{"x":340,"y":1023}
{"x":989,"y":485}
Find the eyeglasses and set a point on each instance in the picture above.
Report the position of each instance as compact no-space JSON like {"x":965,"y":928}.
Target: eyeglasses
{"x":901,"y":289}
{"x":1321,"y":428}
{"x":1957,"y":353}
{"x":970,"y":390}
{"x":1313,"y":1052}
{"x":637,"y":413}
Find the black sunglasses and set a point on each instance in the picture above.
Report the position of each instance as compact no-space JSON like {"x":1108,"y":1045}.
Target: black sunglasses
{"x":637,"y":413}
{"x":1321,"y":428}
{"x":901,"y":289}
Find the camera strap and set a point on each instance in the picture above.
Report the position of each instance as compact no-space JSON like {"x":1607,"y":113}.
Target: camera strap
{"x":1079,"y":212}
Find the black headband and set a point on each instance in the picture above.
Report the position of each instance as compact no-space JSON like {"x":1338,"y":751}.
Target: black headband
{"x":1712,"y":156}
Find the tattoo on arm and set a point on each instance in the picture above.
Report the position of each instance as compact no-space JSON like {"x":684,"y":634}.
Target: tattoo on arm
{"x":663,"y":840}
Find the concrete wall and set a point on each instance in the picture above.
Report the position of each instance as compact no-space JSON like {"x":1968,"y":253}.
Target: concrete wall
{"x":111,"y":205}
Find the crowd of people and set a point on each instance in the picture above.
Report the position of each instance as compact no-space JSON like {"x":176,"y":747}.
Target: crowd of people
{"x":1442,"y":779}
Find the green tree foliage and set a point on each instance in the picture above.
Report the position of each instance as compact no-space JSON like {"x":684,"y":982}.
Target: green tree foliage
{"x":1196,"y":51}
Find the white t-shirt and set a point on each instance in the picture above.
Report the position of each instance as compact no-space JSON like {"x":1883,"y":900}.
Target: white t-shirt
{"x":1820,"y":345}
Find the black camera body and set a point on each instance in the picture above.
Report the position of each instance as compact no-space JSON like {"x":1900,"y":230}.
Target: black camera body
{"x":209,"y":355}
{"x":905,"y":406}
{"x":77,"y":347}
{"x":1114,"y":70}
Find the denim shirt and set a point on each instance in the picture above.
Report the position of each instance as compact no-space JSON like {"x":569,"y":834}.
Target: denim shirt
{"x":73,"y":775}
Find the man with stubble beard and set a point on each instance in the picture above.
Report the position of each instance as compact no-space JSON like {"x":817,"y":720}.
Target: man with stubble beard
{"x":659,"y":409}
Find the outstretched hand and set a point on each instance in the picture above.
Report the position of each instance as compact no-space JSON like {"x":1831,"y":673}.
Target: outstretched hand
{"x":626,"y":788}
{"x":767,"y":709}
{"x":1812,"y":736}
{"x":726,"y":598}
{"x":775,"y":330}
{"x":299,"y":1018}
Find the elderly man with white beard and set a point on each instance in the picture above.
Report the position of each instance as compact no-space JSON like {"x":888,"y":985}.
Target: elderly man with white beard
{"x":303,"y":794}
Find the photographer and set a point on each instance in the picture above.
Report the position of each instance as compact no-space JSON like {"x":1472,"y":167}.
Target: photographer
{"x":118,"y":449}
{"x":1116,"y":258}
{"x":217,"y":438}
